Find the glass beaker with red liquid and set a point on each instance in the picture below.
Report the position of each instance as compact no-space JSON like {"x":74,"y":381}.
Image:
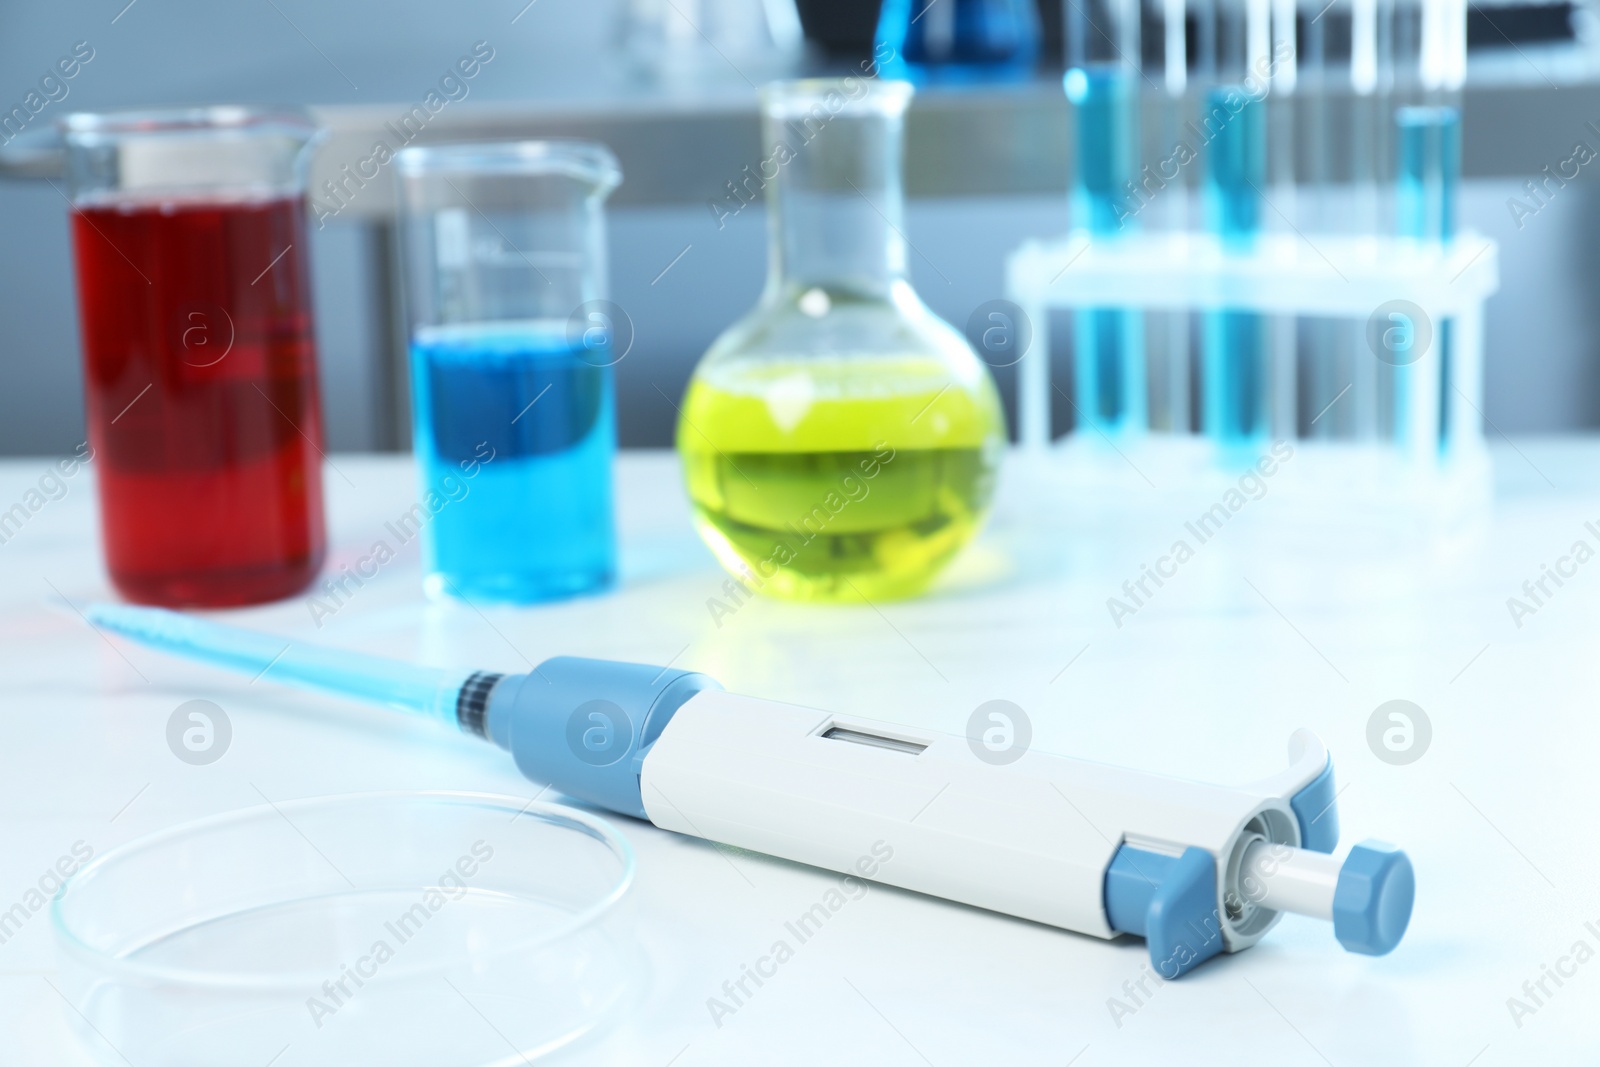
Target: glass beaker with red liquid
{"x":200,"y":368}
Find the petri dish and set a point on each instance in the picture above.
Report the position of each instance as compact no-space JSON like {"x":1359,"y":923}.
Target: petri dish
{"x":438,"y":928}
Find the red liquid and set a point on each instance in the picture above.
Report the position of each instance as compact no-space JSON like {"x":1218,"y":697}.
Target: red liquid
{"x":200,"y":374}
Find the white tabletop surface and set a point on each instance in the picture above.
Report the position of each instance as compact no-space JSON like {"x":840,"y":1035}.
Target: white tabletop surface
{"x":1265,"y":631}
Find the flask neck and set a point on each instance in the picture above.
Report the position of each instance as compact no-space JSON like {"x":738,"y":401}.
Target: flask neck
{"x":836,"y":213}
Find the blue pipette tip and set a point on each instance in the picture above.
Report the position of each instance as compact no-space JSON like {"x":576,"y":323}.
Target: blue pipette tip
{"x":1372,"y":902}
{"x":168,"y":630}
{"x":435,"y":692}
{"x":122,"y":619}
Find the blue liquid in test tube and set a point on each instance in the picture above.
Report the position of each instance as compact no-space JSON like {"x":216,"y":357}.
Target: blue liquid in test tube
{"x":1429,"y":171}
{"x":1235,"y":391}
{"x":1428,"y":178}
{"x":515,"y":433}
{"x":1108,"y":342}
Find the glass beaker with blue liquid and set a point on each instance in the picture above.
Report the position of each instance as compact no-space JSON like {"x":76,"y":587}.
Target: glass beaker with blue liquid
{"x":512,"y":345}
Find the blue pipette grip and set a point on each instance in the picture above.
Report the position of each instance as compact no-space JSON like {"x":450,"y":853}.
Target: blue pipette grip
{"x":585,"y":725}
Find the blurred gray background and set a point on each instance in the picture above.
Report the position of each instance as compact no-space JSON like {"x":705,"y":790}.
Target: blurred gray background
{"x":1541,"y":336}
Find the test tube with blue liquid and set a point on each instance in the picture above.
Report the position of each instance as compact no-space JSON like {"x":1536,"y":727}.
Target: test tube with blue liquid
{"x":1430,"y":47}
{"x":512,"y":345}
{"x":1169,"y":344}
{"x":1323,"y":376}
{"x":1102,"y":85}
{"x":1428,"y":167}
{"x":1235,"y":370}
{"x":1429,"y":171}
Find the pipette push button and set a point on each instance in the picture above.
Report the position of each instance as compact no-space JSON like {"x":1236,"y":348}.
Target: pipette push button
{"x":1372,"y":902}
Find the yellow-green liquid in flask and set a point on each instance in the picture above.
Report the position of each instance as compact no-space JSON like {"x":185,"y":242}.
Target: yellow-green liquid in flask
{"x":839,"y":479}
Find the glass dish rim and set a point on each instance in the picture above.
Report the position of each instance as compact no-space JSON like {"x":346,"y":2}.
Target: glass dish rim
{"x":881,"y":96}
{"x":578,"y":157}
{"x":115,"y":124}
{"x":123,"y":968}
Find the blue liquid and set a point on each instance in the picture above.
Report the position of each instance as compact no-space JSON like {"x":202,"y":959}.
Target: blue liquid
{"x":1429,"y":174}
{"x":1237,"y":165}
{"x":1429,"y":171}
{"x":1235,"y":392}
{"x":967,"y":41}
{"x":1108,"y":353}
{"x":1106,"y":103}
{"x":1234,"y":343}
{"x":515,"y":434}
{"x":1108,"y":343}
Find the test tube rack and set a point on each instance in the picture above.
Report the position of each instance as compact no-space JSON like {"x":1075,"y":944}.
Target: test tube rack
{"x":1430,"y":435}
{"x":1327,"y":275}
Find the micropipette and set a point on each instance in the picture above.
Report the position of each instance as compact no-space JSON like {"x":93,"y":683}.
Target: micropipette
{"x":1195,"y":869}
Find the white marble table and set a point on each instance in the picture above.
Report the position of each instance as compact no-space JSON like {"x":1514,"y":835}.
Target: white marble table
{"x":1260,"y":634}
